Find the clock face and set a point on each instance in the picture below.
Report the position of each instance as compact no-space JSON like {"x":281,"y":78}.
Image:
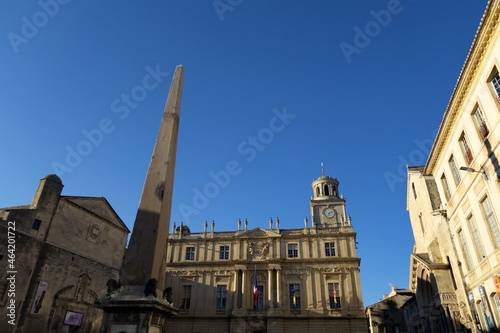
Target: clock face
{"x":329,"y":212}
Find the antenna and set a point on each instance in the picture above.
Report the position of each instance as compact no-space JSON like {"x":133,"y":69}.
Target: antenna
{"x":322,"y":169}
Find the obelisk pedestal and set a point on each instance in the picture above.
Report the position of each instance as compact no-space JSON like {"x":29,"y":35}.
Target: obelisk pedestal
{"x":139,"y":302}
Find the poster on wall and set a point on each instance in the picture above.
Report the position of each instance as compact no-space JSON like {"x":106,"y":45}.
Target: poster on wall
{"x":496,"y":281}
{"x":485,"y":307}
{"x":39,"y":296}
{"x":474,"y":312}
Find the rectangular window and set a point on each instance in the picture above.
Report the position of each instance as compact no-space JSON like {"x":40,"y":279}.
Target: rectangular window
{"x":36,"y":224}
{"x":446,"y":188}
{"x":330,"y":249}
{"x":453,"y":166}
{"x":491,"y":221}
{"x":480,"y":123}
{"x":477,"y":238}
{"x":464,"y":145}
{"x":224,"y":252}
{"x":495,"y":83}
{"x":190,"y":253}
{"x":294,"y":296}
{"x":334,"y":295}
{"x":465,"y":249}
{"x":293,"y":250}
{"x":221,"y":297}
{"x":185,"y":297}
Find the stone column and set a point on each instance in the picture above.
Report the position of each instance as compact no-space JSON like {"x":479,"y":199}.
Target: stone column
{"x":357,"y":288}
{"x":270,"y":287}
{"x":279,"y":299}
{"x":243,"y":285}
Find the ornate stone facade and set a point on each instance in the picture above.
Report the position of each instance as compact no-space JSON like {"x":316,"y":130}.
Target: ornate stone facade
{"x":307,"y":279}
{"x":454,"y":200}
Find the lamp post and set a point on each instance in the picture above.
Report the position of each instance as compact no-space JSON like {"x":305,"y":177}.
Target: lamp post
{"x":473,"y":170}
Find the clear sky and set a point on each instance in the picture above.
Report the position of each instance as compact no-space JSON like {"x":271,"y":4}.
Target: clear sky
{"x":272,"y":89}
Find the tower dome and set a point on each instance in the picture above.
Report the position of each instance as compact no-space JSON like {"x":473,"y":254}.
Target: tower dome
{"x":325,"y":187}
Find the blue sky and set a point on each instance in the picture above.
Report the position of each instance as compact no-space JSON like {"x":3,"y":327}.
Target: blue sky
{"x":272,"y":89}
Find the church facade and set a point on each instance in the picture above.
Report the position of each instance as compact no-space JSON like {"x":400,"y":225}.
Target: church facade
{"x":63,"y":250}
{"x":270,"y":280}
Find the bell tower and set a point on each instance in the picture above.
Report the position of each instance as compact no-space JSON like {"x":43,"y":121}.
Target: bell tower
{"x":327,"y":206}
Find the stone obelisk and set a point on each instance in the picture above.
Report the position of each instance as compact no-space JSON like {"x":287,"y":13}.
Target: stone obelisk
{"x":137,"y":304}
{"x":146,"y":253}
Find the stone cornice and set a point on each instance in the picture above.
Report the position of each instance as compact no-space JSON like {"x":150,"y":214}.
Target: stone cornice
{"x":467,"y":75}
{"x":250,"y":263}
{"x":230,"y":271}
{"x":319,"y":233}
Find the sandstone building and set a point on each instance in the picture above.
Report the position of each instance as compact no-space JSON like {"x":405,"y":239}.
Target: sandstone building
{"x":388,"y":315}
{"x":66,"y":249}
{"x":454,"y":200}
{"x":270,"y":280}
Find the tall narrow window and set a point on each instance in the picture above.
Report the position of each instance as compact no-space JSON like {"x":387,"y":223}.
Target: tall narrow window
{"x":465,"y":249}
{"x":477,"y":238}
{"x":224,"y":252}
{"x":480,"y":123}
{"x":190,"y":253}
{"x":495,"y":83}
{"x":293,"y":251}
{"x":452,"y":274}
{"x":453,"y":166}
{"x":260,"y":299}
{"x":330,"y":249}
{"x":464,"y":145}
{"x":414,"y":190}
{"x":421,"y":223}
{"x":446,"y":188}
{"x":327,"y":190}
{"x":185,"y":297}
{"x":334,"y":295}
{"x":294,"y":296}
{"x":491,"y":221}
{"x":221,"y":297}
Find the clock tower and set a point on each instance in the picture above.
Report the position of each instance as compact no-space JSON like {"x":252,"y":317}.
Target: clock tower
{"x":327,"y":206}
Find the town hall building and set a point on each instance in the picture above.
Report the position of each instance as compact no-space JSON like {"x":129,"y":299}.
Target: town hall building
{"x":269,"y":280}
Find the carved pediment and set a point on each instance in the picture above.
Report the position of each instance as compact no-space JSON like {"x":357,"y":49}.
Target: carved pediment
{"x":258,"y":233}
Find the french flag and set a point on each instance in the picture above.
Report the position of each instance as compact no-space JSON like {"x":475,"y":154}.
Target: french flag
{"x":255,"y":290}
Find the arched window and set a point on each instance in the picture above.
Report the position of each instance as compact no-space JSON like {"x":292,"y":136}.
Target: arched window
{"x":327,"y":190}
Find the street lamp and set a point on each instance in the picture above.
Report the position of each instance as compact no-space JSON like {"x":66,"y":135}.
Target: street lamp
{"x":473,"y":170}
